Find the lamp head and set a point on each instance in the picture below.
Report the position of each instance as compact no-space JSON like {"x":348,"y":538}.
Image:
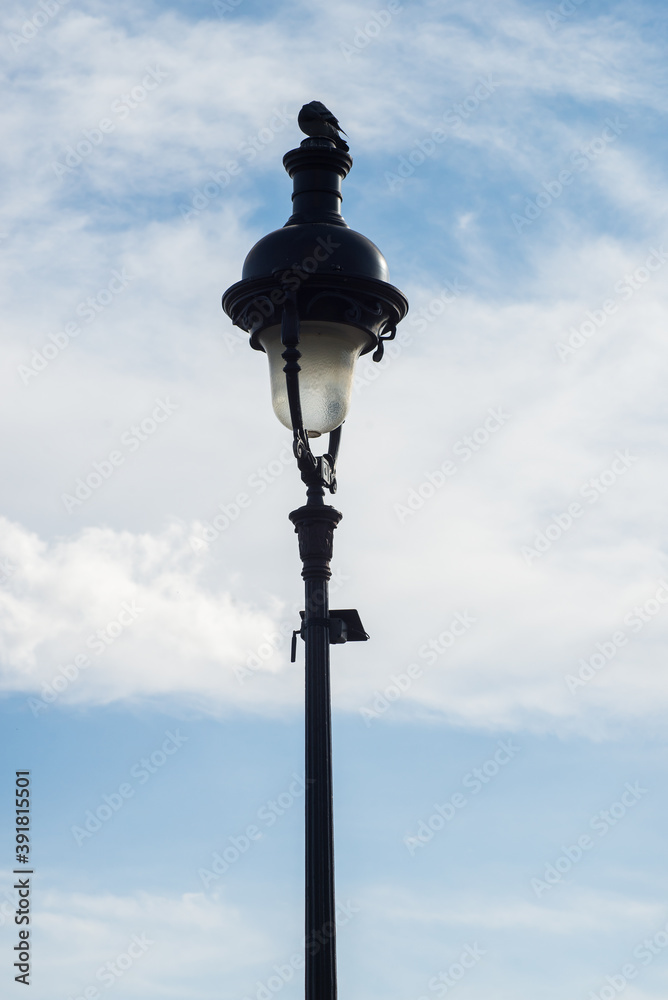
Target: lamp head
{"x":338,"y":280}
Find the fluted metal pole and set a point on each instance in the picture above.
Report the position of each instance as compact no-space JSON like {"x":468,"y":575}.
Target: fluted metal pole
{"x":315,"y":524}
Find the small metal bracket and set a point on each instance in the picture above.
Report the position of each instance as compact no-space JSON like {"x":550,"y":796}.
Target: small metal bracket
{"x":293,"y":645}
{"x":344,"y":626}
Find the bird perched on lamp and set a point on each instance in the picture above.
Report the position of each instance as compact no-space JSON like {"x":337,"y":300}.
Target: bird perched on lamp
{"x":316,"y":120}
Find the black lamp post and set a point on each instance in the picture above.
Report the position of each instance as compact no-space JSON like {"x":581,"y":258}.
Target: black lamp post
{"x":314,"y":296}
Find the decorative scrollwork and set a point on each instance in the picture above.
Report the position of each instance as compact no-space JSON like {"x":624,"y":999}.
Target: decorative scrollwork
{"x":388,"y":333}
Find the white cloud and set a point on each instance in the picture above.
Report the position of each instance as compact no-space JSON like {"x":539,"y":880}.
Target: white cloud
{"x":586,"y":912}
{"x":133,"y":607}
{"x":175,"y":943}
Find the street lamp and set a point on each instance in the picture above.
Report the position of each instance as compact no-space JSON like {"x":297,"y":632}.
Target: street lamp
{"x":314,"y":296}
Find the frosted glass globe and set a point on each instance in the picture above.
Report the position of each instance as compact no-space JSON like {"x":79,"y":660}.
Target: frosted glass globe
{"x":329,"y":352}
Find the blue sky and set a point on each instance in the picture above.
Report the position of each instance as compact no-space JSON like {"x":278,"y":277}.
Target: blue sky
{"x":499,"y":826}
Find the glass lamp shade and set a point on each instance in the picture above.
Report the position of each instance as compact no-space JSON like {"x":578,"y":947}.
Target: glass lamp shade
{"x":329,"y":352}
